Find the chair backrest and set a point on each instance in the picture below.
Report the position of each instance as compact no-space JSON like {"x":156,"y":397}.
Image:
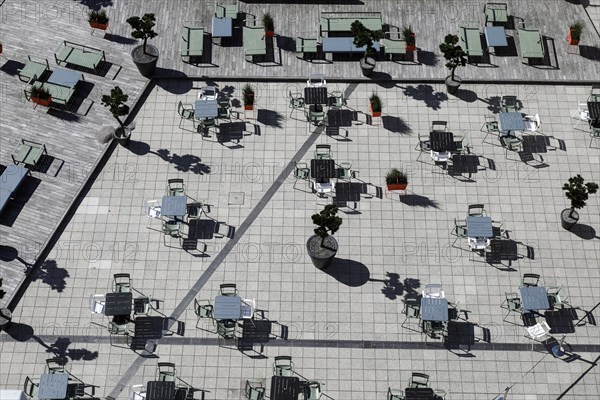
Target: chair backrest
{"x":165,"y":371}
{"x":228,"y":289}
{"x":301,"y":170}
{"x":513,"y":300}
{"x":141,"y":305}
{"x":172,"y":228}
{"x":117,"y":329}
{"x":476,"y":210}
{"x":439,"y":126}
{"x":55,"y":365}
{"x":226,"y":329}
{"x":323,"y":149}
{"x":313,"y":390}
{"x":433,"y":290}
{"x":395,"y":394}
{"x":419,"y":379}
{"x":491,"y":123}
{"x":30,"y":388}
{"x":283,"y":366}
{"x":254,"y":390}
{"x":203,"y":308}
{"x":175,"y":187}
{"x":137,"y":392}
{"x":530,"y":279}
{"x":412,"y":308}
{"x":121,"y":283}
{"x":509,"y":101}
{"x":460,"y":229}
{"x":316,"y":80}
{"x":97,"y":302}
{"x":209,"y":92}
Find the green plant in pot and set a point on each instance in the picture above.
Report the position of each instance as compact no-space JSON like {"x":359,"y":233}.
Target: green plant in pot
{"x":575,"y":33}
{"x":364,"y":36}
{"x":98,"y":19}
{"x":322,"y":247}
{"x":375,"y":104}
{"x":396,"y":180}
{"x":144,"y":56}
{"x":5,"y":313}
{"x":578,"y":192}
{"x":410,"y":39}
{"x":248,"y":96}
{"x":269,"y":25}
{"x":456,"y":57}
{"x":40,"y":95}
{"x":115,"y":102}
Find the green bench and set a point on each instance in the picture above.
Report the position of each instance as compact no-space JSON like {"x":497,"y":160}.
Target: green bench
{"x":531,"y":44}
{"x":28,"y":153}
{"x":496,"y":13}
{"x":394,"y":47}
{"x":342,"y":21}
{"x":227,"y":10}
{"x":79,"y":55}
{"x":470,"y":41}
{"x":192,"y":42}
{"x":254,"y":41}
{"x":33,"y":70}
{"x":60,"y":94}
{"x":306,"y":46}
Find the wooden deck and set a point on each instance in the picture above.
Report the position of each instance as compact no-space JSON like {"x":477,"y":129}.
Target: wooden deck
{"x":37,"y":28}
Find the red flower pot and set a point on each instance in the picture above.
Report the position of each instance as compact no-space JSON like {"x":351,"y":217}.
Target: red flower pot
{"x":269,"y":33}
{"x":374,"y":113}
{"x":397,"y":186}
{"x":42,"y":102}
{"x":248,"y":107}
{"x":573,"y":42}
{"x":99,"y":25}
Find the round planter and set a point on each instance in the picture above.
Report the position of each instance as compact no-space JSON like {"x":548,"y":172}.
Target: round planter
{"x":5,"y":318}
{"x":367,"y":65}
{"x":452,"y":85}
{"x":145,"y":62}
{"x":321,"y":256}
{"x":568,"y":221}
{"x":123,"y":138}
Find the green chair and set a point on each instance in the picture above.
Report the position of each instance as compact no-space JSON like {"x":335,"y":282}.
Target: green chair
{"x":296,"y":102}
{"x":512,"y":303}
{"x":195,"y":210}
{"x":165,"y":372}
{"x":301,"y":172}
{"x":283,"y":366}
{"x":476,"y":210}
{"x":511,"y":143}
{"x":530,"y":280}
{"x":175,"y":187}
{"x":228,"y":289}
{"x":412,"y":309}
{"x":204,"y":310}
{"x":315,"y":114}
{"x":171,"y":228}
{"x":460,"y":231}
{"x":336,"y":101}
{"x":395,"y":394}
{"x":118,"y":329}
{"x":306,"y":48}
{"x":254,"y":390}
{"x":30,"y":388}
{"x":121,"y":283}
{"x":33,"y":70}
{"x":312,"y":390}
{"x":439,"y":394}
{"x":508,"y":104}
{"x":226,"y":329}
{"x":55,"y":365}
{"x":557,"y":296}
{"x":186,"y":112}
{"x":323,"y":152}
{"x":346,"y":172}
{"x":28,"y":153}
{"x":419,"y":380}
{"x":141,"y":306}
{"x":490,"y":125}
{"x":496,"y":13}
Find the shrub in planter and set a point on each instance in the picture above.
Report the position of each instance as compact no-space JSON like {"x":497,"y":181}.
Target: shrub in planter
{"x":456,"y":57}
{"x":98,"y":19}
{"x":410,"y":39}
{"x":41,"y":96}
{"x":269,"y":25}
{"x":248,"y":96}
{"x":363,"y":36}
{"x":376,"y":105}
{"x":578,"y":193}
{"x":145,"y":56}
{"x":322,"y":247}
{"x":115,"y":102}
{"x":575,"y":33}
{"x":396,"y":179}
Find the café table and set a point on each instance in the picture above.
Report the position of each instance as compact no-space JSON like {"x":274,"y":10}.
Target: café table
{"x":594,"y":109}
{"x":479,"y":227}
{"x":434,"y":309}
{"x":534,"y":298}
{"x":315,"y":95}
{"x":285,"y":387}
{"x":441,"y":141}
{"x":228,"y":307}
{"x":53,"y":386}
{"x":206,"y":108}
{"x":222,"y":27}
{"x":118,"y":304}
{"x":348,"y":191}
{"x":509,"y":122}
{"x":160,"y":390}
{"x":148,"y":327}
{"x":495,"y":36}
{"x":174,"y":206}
{"x":418,"y":394}
{"x":65,"y":77}
{"x":465,"y":163}
{"x":322,"y":169}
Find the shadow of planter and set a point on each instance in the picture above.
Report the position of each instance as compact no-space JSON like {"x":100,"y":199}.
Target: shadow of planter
{"x":349,"y":272}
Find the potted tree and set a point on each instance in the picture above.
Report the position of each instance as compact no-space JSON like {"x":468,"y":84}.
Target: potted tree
{"x":456,"y":57}
{"x":144,"y":56}
{"x":40,"y":95}
{"x":269,"y":25}
{"x":98,"y":19}
{"x":410,"y":39}
{"x":365,"y":37}
{"x":578,"y":193}
{"x":115,"y":102}
{"x":575,"y":33}
{"x":375,"y":105}
{"x":5,"y":314}
{"x":322,"y":247}
{"x":396,"y":180}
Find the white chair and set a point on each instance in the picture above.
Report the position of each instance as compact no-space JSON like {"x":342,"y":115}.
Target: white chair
{"x":208,"y":93}
{"x":433,"y":290}
{"x":532,"y":122}
{"x":440,"y":156}
{"x":537,"y":331}
{"x":478,"y":243}
{"x":137,"y":392}
{"x":316,"y":80}
{"x":152,"y":210}
{"x":323,"y":187}
{"x":97,"y":303}
{"x":248,"y":307}
{"x":582,"y":114}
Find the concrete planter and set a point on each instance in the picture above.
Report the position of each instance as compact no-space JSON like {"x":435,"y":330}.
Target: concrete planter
{"x":568,"y":221}
{"x":145,"y":62}
{"x":321,"y":256}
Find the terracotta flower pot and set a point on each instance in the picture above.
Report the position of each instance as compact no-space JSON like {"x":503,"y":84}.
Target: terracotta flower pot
{"x":397,"y":186}
{"x":573,"y":42}
{"x":269,"y":33}
{"x":248,"y":106}
{"x":374,"y":113}
{"x":42,"y":102}
{"x":99,"y":25}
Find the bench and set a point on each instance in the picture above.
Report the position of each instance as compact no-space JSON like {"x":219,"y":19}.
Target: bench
{"x":28,"y":153}
{"x":254,"y":41}
{"x":470,"y":41}
{"x":531,"y":44}
{"x":11,"y":179}
{"x":394,"y":47}
{"x":305,"y":46}
{"x":79,"y":55}
{"x":342,"y":21}
{"x":496,"y":13}
{"x":228,"y":10}
{"x":192,"y":42}
{"x":33,"y":70}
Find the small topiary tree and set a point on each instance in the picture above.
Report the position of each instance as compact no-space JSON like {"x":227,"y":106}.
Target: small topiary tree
{"x":115,"y":102}
{"x":455,"y":54}
{"x":578,"y":192}
{"x":327,"y":222}
{"x":363,"y":36}
{"x":143,"y":27}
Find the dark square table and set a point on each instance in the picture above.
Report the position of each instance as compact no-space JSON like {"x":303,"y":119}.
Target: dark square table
{"x":321,"y":169}
{"x":495,"y":36}
{"x":418,"y":394}
{"x":174,"y":206}
{"x":256,"y":330}
{"x":118,"y":303}
{"x":534,"y":298}
{"x":434,"y":309}
{"x":479,"y":227}
{"x":206,"y":108}
{"x":160,"y":390}
{"x":510,"y":122}
{"x":285,"y":387}
{"x":64,"y":77}
{"x":441,"y":140}
{"x":222,"y":27}
{"x":148,"y":327}
{"x":348,"y":191}
{"x":594,"y":109}
{"x":53,"y":386}
{"x":315,"y":95}
{"x":228,"y":307}
{"x":465,"y":163}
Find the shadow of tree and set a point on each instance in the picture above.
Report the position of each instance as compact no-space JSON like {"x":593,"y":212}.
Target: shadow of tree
{"x":270,"y":118}
{"x":52,"y":275}
{"x":393,"y":288}
{"x":96,"y":4}
{"x":493,"y":103}
{"x":426,"y":94}
{"x":185,"y":163}
{"x":60,"y":349}
{"x":418,"y":201}
{"x":348,"y":272}
{"x":427,"y":57}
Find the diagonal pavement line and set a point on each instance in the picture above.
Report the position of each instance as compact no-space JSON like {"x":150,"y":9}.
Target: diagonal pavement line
{"x":193,"y":292}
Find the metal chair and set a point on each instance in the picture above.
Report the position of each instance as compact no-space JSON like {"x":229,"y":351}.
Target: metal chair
{"x":530,"y":280}
{"x":195,"y":210}
{"x":557,"y":296}
{"x":137,"y":392}
{"x":395,"y":394}
{"x":312,"y":390}
{"x":439,"y":394}
{"x":141,"y":306}
{"x":433,"y":290}
{"x":490,"y":125}
{"x":460,"y":231}
{"x":165,"y":371}
{"x":283,"y":366}
{"x":419,"y":380}
{"x":97,"y":303}
{"x":439,"y":126}
{"x":228,"y":289}
{"x":247,"y":308}
{"x":511,"y":143}
{"x":296,"y":102}
{"x":118,"y":329}
{"x":316,"y":80}
{"x":121,"y":283}
{"x":594,"y":134}
{"x":175,"y":187}
{"x":537,"y":331}
{"x":424,"y":145}
{"x":208,"y":92}
{"x":254,"y":390}
{"x":152,"y":209}
{"x":315,"y":114}
{"x":323,"y":152}
{"x":512,"y":303}
{"x":532,"y":123}
{"x":336,"y":100}
{"x":30,"y":388}
{"x":224,"y":110}
{"x":226,"y":329}
{"x":186,"y":112}
{"x":412,"y":310}
{"x":582,"y":114}
{"x":508,"y":104}
{"x":55,"y":365}
{"x":346,"y":172}
{"x":171,"y":228}
{"x":476,"y":210}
